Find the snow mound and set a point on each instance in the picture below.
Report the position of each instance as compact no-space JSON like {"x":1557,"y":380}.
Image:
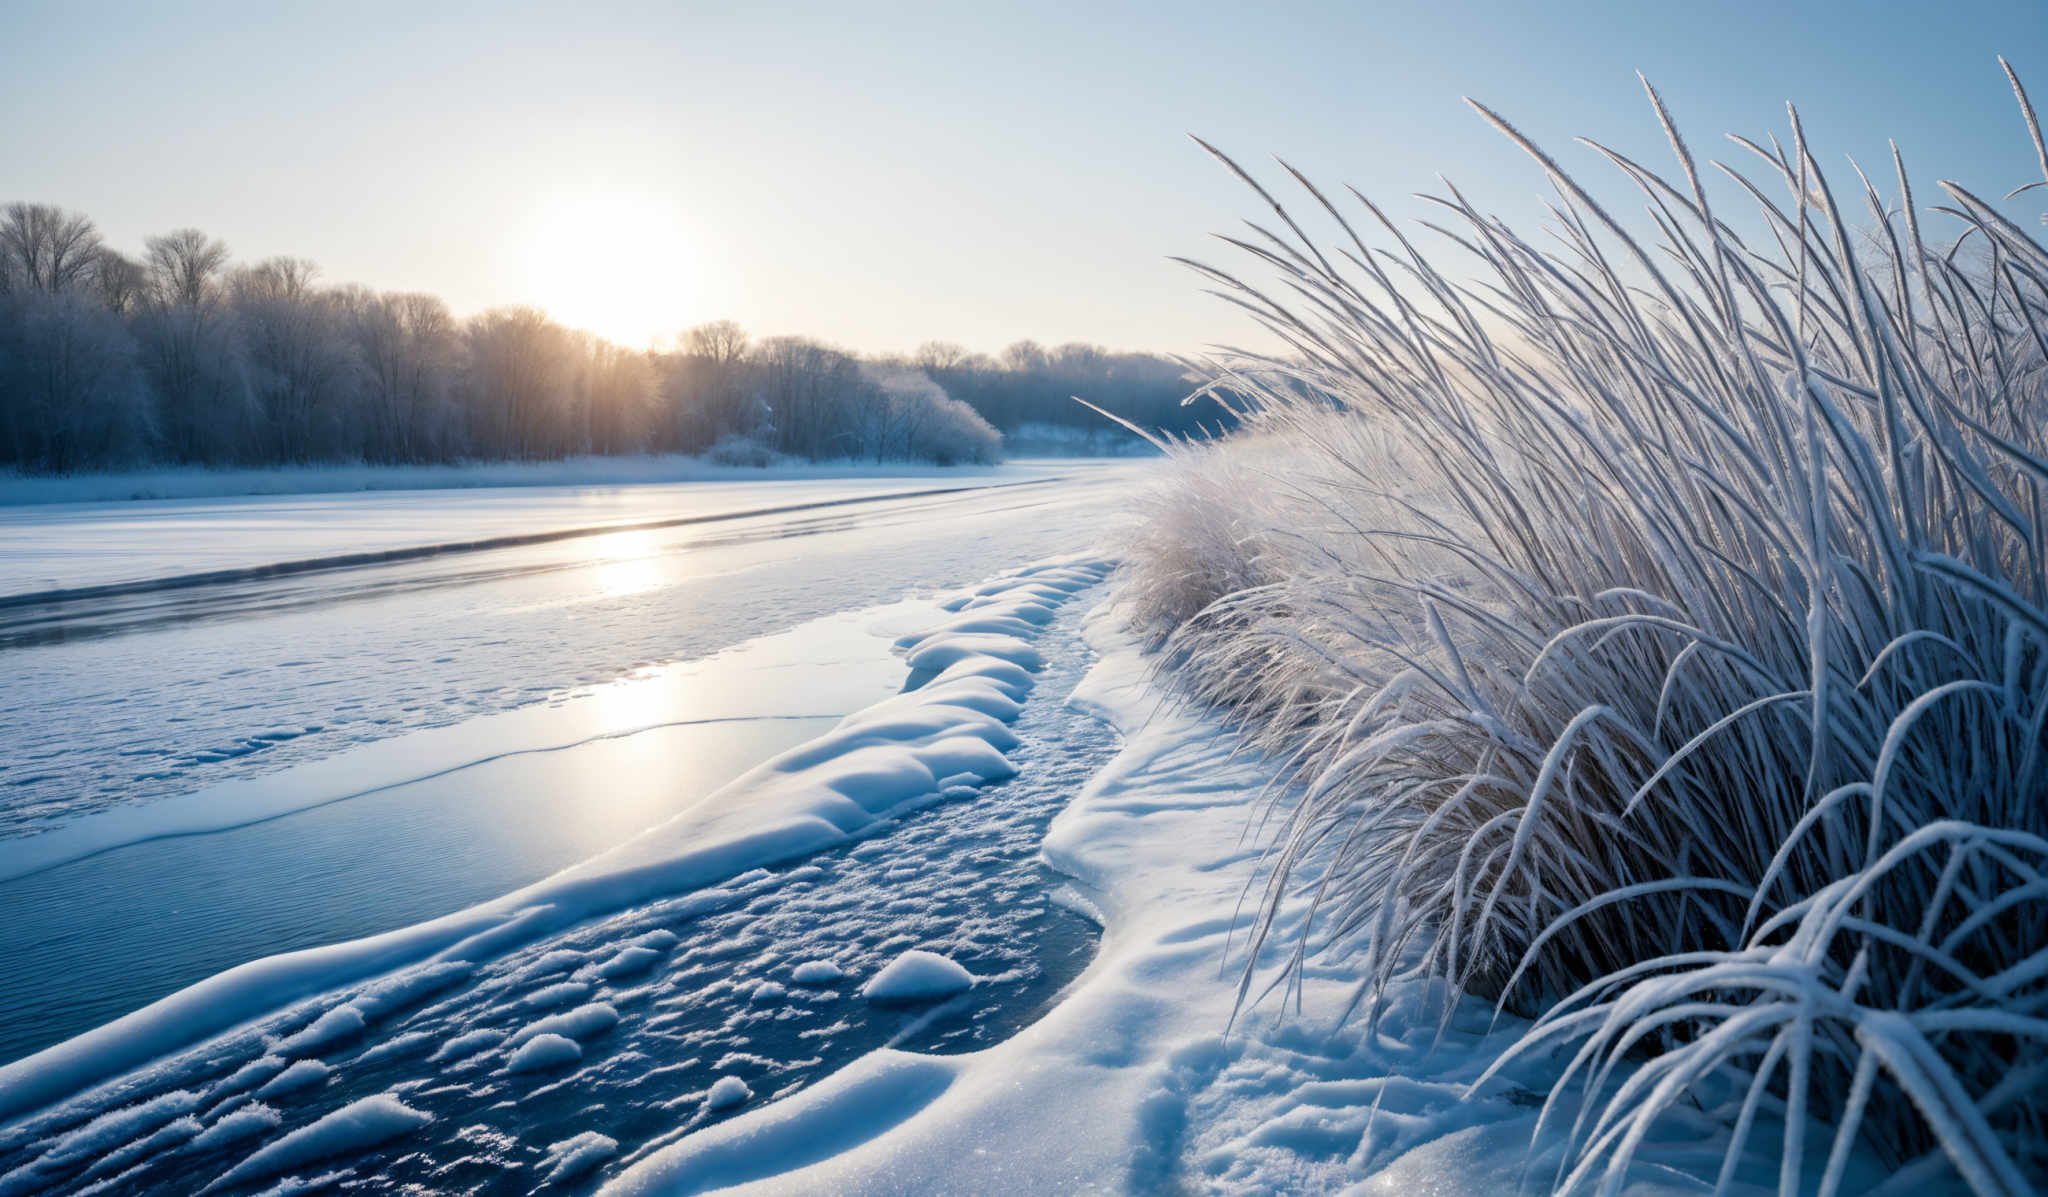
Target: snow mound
{"x":573,"y":1157}
{"x":249,"y":1075}
{"x":546,"y":1050}
{"x":400,"y":990}
{"x":816,"y":972}
{"x":257,"y":1119}
{"x":917,"y":976}
{"x":555,"y":995}
{"x":467,"y":1044}
{"x":355,"y":1127}
{"x":402,"y":1045}
{"x":113,"y":1129}
{"x":581,"y":1023}
{"x":857,"y":1105}
{"x":628,"y":963}
{"x":303,"y":1075}
{"x":726,"y":1092}
{"x":340,"y":1023}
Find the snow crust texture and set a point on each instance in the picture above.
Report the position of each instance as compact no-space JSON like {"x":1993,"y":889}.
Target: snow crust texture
{"x":638,"y":996}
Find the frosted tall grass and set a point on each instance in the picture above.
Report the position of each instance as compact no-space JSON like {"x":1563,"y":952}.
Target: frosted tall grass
{"x":1657,"y":619}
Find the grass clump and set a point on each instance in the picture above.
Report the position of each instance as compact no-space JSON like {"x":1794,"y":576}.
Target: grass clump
{"x":1656,"y":617}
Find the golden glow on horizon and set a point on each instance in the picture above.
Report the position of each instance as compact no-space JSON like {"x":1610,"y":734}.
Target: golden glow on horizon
{"x":615,"y":262}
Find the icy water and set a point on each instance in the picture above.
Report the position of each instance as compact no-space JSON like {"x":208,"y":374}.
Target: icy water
{"x":439,"y":820}
{"x":661,"y":1002}
{"x":122,"y":702}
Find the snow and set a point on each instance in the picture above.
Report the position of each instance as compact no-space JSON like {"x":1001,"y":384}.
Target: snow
{"x":917,"y":976}
{"x":726,"y":1092}
{"x":101,"y":1136}
{"x":467,"y":1044}
{"x":544,"y":1051}
{"x":559,"y":994}
{"x":240,"y":1124}
{"x":627,"y":963}
{"x":355,"y":1127}
{"x":876,"y":764}
{"x":573,"y":1157}
{"x":301,"y":1075}
{"x":249,"y":1075}
{"x":1140,"y":1075}
{"x":579,"y":1024}
{"x":816,"y":972}
{"x":342,"y":1022}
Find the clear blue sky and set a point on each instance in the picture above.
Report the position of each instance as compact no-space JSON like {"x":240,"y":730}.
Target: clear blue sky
{"x":879,"y":174}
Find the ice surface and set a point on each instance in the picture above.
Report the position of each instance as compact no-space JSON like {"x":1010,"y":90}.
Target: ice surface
{"x":917,"y":976}
{"x":124,"y":700}
{"x":66,"y":533}
{"x":888,"y":761}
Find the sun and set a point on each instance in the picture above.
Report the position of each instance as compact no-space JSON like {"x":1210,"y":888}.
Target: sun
{"x":614,"y":261}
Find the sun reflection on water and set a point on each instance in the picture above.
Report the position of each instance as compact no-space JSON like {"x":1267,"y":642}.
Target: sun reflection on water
{"x":627,"y":563}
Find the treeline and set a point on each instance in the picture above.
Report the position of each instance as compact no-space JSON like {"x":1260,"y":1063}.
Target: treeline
{"x":182,"y":356}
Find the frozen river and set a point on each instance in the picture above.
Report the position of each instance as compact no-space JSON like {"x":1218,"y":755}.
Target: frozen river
{"x":202,"y":774}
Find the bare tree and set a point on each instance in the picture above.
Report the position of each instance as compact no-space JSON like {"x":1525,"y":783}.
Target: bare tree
{"x":939,"y":355}
{"x":301,"y":362}
{"x":70,"y":393}
{"x":185,"y":267}
{"x":275,"y":278}
{"x":45,"y":248}
{"x":519,"y":380}
{"x":721,"y":342}
{"x":122,"y":282}
{"x":407,"y":346}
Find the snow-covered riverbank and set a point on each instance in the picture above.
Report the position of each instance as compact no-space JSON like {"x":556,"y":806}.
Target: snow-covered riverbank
{"x":1141,"y":1080}
{"x":865,"y":967}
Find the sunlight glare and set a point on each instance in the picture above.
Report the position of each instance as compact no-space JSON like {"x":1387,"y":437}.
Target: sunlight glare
{"x":627,"y":563}
{"x":613,"y":261}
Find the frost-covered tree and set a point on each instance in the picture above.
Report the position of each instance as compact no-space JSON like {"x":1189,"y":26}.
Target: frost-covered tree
{"x":518,"y":382}
{"x":45,"y":248}
{"x":71,"y":394}
{"x":410,"y":355}
{"x":302,"y":366}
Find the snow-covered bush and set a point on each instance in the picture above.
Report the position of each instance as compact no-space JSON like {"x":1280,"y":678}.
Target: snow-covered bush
{"x":907,"y":416}
{"x":1659,"y":627}
{"x":743,"y":451}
